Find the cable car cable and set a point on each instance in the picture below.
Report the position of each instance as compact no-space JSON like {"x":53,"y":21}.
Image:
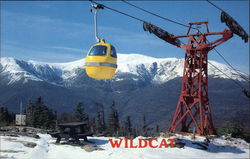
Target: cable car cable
{"x":245,"y":91}
{"x":164,"y":18}
{"x":120,"y":12}
{"x":232,"y":24}
{"x":215,"y":6}
{"x":224,"y":59}
{"x":115,"y":10}
{"x":239,"y":73}
{"x":175,"y":23}
{"x":242,"y":76}
{"x":167,"y":19}
{"x":154,"y":15}
{"x":227,"y":75}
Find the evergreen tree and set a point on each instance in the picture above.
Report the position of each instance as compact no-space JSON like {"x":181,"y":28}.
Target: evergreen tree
{"x":128,"y":126}
{"x":93,"y":127}
{"x":30,"y":114}
{"x":50,"y":118}
{"x":39,"y":115}
{"x":101,"y":125}
{"x":235,"y":129}
{"x":135,"y":133}
{"x":3,"y":114}
{"x":80,"y":115}
{"x":65,"y":117}
{"x":113,"y":120}
{"x":123,"y":130}
{"x":99,"y":121}
{"x":6,"y":117}
{"x":12,"y":117}
{"x":144,"y":128}
{"x":157,"y":130}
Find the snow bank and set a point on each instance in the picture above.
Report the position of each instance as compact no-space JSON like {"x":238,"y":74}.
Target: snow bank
{"x":46,"y":149}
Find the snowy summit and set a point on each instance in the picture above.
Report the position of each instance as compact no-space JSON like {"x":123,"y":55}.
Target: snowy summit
{"x":157,"y":70}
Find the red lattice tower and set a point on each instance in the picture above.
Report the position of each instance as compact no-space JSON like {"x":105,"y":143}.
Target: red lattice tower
{"x":193,"y":110}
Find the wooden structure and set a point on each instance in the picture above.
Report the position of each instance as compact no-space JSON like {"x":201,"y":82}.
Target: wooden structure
{"x":20,"y":120}
{"x":75,"y":131}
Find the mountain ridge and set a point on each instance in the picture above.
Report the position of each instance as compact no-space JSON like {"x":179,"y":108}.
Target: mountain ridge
{"x":141,"y":86}
{"x":157,"y":70}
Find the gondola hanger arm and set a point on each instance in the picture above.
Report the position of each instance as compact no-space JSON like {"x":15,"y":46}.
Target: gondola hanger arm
{"x":95,"y":9}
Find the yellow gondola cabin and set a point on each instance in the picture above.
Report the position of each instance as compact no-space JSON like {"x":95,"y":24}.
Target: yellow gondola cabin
{"x":101,"y":61}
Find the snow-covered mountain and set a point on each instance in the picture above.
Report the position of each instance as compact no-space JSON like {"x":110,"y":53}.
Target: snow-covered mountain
{"x":155,"y":70}
{"x":141,"y":85}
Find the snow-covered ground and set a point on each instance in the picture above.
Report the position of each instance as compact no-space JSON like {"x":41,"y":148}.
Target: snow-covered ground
{"x":12,"y":147}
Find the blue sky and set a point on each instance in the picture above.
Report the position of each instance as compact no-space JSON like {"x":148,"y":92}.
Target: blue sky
{"x":63,"y":31}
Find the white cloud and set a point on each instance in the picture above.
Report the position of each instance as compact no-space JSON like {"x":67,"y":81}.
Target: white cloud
{"x":41,"y":23}
{"x":40,"y":26}
{"x":67,"y":48}
{"x":45,"y":55}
